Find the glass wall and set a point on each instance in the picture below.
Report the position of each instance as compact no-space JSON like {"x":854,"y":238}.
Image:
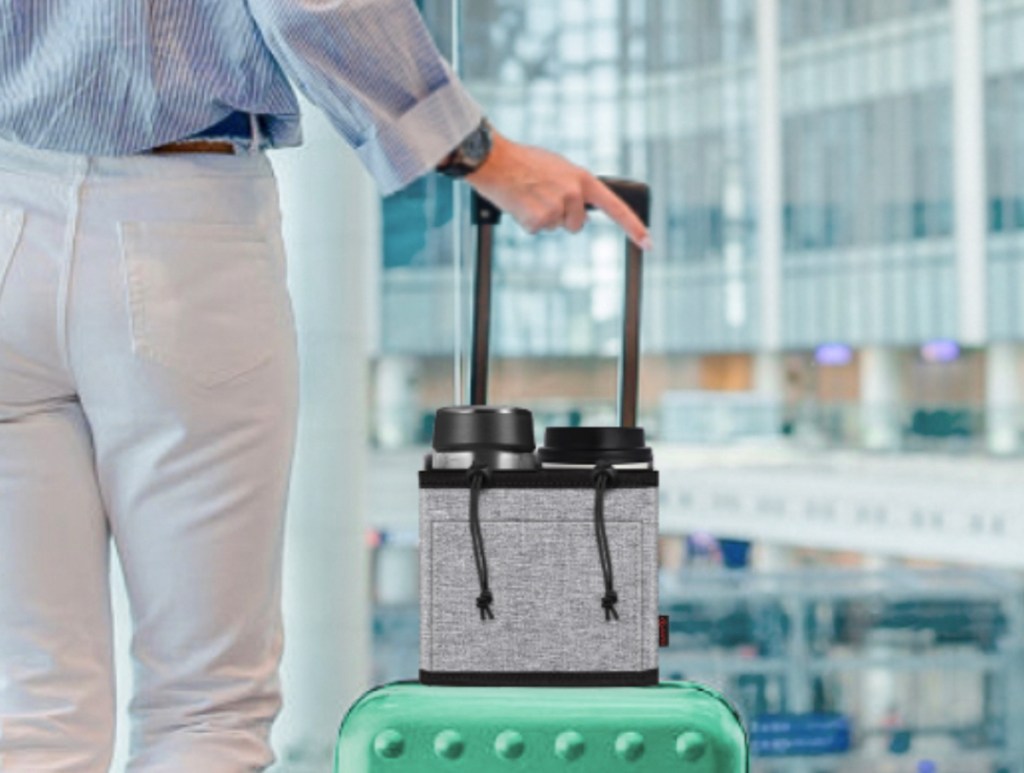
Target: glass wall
{"x":666,"y":81}
{"x":803,"y":20}
{"x":701,"y":139}
{"x":1004,"y":108}
{"x":867,"y":149}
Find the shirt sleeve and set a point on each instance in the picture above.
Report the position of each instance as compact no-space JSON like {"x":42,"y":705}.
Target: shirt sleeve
{"x":372,"y":66}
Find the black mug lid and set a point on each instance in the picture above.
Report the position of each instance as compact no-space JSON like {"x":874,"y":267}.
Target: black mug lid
{"x":590,"y":445}
{"x":479,"y":427}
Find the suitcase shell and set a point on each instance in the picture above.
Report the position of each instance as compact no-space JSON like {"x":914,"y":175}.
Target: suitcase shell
{"x":674,"y":726}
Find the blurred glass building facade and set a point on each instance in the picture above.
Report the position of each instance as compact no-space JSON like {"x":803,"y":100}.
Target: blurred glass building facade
{"x":825,"y":173}
{"x":1004,"y":137}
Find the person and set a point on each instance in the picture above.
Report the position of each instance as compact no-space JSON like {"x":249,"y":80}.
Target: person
{"x":147,"y":346}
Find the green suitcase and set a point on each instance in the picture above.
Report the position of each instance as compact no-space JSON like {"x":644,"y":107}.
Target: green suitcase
{"x":674,"y":726}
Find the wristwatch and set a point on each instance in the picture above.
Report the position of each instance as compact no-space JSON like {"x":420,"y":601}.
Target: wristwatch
{"x":470,"y":154}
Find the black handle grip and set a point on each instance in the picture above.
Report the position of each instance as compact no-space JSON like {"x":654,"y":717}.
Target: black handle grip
{"x":637,"y":196}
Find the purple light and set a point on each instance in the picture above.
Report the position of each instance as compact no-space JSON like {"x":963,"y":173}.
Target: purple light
{"x":833,"y":355}
{"x":701,"y":543}
{"x":927,"y":766}
{"x":941,"y":350}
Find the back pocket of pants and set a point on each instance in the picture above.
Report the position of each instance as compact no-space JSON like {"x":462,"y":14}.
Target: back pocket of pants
{"x":205,"y":299}
{"x":11,"y":221}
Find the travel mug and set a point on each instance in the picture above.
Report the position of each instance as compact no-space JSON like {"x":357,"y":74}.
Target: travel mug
{"x":575,"y":447}
{"x":492,"y":437}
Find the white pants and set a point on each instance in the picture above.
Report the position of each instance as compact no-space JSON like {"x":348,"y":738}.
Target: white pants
{"x":147,"y":394}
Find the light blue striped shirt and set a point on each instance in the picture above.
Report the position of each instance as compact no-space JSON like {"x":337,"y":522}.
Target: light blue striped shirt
{"x":114,"y":77}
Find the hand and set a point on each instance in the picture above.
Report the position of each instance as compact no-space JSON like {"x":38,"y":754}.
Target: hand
{"x":544,"y":191}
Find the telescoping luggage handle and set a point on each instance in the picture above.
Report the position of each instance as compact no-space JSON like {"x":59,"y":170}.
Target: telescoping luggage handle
{"x":485,"y":216}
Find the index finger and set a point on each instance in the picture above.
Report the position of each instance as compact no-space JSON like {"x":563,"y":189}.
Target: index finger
{"x":602,"y":197}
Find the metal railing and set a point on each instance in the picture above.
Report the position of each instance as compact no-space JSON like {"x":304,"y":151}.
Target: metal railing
{"x":720,"y":418}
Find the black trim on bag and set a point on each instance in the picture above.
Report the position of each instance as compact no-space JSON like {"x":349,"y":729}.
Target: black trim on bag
{"x":557,"y":478}
{"x":540,"y":678}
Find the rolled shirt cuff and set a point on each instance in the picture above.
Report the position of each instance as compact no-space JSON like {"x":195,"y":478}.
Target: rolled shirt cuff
{"x":404,"y":150}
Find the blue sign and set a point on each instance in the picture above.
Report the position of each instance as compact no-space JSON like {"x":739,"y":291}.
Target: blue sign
{"x":792,"y":735}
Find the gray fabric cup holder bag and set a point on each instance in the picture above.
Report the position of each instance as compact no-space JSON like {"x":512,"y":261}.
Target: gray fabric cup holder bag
{"x":540,"y":567}
{"x":548,"y":612}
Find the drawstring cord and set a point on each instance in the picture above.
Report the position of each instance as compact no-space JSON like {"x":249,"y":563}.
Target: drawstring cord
{"x":478,"y":475}
{"x":604,"y":476}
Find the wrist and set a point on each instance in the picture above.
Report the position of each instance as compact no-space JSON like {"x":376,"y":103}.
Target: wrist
{"x":499,"y":151}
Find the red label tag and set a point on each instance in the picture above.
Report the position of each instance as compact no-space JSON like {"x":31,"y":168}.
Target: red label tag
{"x":662,"y":630}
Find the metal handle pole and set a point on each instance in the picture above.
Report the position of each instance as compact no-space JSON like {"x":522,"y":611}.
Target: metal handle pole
{"x":629,"y":361}
{"x":479,"y":375}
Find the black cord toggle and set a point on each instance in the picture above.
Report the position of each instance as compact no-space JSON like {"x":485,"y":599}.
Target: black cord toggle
{"x":483,"y":603}
{"x":608,"y":604}
{"x":478,"y":476}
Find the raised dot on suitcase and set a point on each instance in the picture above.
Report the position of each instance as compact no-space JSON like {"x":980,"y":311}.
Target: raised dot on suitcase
{"x":389,"y":744}
{"x":570,"y":745}
{"x":691,"y":746}
{"x":509,"y":745}
{"x":630,"y":746}
{"x":449,"y":745}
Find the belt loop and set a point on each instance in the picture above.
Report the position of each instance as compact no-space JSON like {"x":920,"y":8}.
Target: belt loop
{"x":254,"y":130}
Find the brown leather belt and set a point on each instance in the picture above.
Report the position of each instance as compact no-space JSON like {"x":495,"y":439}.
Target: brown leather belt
{"x":196,"y":146}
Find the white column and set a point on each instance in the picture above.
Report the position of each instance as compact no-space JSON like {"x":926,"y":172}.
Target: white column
{"x":769,"y":149}
{"x":331,"y":220}
{"x":770,"y":376}
{"x":969,"y":169}
{"x":1004,"y":397}
{"x":880,"y":397}
{"x":397,"y":408}
{"x":397,"y":573}
{"x":772,"y":557}
{"x":770,"y":387}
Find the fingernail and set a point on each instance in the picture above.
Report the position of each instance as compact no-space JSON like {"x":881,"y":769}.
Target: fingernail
{"x":646,"y":244}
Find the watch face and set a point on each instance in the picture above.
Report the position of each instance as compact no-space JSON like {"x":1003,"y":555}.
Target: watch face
{"x":476,"y":147}
{"x":471,"y":153}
